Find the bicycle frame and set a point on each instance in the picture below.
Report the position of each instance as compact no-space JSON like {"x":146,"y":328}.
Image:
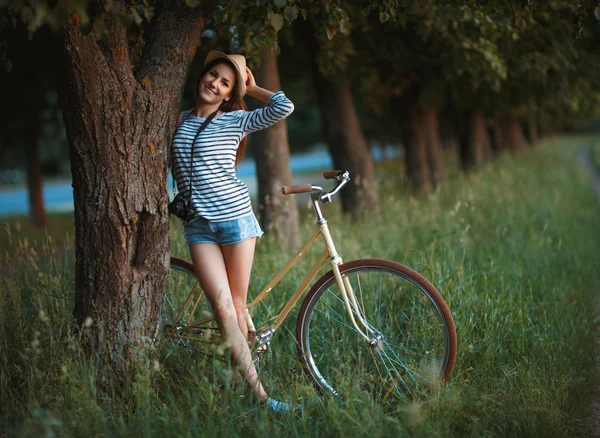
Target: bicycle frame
{"x":352,"y":307}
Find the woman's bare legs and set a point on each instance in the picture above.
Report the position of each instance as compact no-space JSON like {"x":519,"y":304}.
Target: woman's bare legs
{"x":238,"y":261}
{"x":210,"y":263}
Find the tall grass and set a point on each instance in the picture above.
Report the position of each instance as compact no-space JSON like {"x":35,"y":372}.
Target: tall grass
{"x":512,"y":247}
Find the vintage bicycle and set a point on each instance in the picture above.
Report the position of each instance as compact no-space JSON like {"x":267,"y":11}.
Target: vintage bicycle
{"x":373,"y":322}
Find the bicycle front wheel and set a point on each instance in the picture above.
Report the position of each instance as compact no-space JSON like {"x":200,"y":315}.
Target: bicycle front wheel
{"x":411,"y":341}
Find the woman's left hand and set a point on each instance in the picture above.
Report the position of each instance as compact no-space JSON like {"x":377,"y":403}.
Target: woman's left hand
{"x":250,"y":82}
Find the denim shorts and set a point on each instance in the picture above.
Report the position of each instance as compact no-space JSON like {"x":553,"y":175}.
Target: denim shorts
{"x":223,"y":233}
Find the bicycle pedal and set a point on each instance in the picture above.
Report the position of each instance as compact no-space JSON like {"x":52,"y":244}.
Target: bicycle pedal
{"x":261,"y":348}
{"x":262,"y":339}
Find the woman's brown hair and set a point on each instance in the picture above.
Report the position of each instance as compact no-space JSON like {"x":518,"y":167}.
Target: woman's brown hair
{"x":236,"y":102}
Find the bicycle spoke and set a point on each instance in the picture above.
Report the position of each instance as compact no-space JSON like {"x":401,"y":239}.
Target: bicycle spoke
{"x":388,"y":370}
{"x":340,"y":318}
{"x":410,"y":372}
{"x":433,"y":359}
{"x":408,"y":332}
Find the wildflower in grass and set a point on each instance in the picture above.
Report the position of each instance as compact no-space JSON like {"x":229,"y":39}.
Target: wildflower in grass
{"x":88,"y":322}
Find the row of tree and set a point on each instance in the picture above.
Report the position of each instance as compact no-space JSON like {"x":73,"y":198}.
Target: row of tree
{"x":397,"y":71}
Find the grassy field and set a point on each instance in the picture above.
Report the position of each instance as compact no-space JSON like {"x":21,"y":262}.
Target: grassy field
{"x":595,"y":154}
{"x":512,"y":247}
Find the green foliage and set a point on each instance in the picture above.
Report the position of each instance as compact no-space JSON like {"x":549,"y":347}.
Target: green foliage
{"x":252,"y":25}
{"x":516,"y":267}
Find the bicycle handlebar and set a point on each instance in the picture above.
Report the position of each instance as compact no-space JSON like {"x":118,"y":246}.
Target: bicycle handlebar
{"x":333,"y":174}
{"x":298,"y":188}
{"x":343,"y":176}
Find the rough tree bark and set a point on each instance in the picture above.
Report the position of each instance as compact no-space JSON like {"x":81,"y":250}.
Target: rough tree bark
{"x":278,"y":213}
{"x":119,"y":123}
{"x":344,"y":137}
{"x":348,"y":147}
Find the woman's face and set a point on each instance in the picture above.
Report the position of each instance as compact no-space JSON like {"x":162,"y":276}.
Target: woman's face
{"x":217,"y":84}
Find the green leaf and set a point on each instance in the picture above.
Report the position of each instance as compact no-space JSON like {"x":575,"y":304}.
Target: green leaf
{"x":192,"y":3}
{"x":402,"y":19}
{"x":270,"y":36}
{"x":365,"y":12}
{"x":303,"y":12}
{"x":148,"y":12}
{"x":290,"y":13}
{"x":279,"y":3}
{"x":259,"y":40}
{"x":220,"y":15}
{"x":384,"y":16}
{"x":276,"y":20}
{"x":136,"y":17}
{"x":275,"y":49}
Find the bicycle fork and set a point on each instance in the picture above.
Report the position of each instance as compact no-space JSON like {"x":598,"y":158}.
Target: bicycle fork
{"x":348,"y":295}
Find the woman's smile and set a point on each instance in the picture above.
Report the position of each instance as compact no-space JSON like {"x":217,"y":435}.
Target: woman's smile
{"x":210,"y":91}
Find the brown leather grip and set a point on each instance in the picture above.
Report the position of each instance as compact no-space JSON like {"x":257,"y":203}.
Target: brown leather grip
{"x":332,"y":174}
{"x":298,"y":188}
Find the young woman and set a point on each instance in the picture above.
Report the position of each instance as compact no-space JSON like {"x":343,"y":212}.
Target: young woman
{"x":224,"y":229}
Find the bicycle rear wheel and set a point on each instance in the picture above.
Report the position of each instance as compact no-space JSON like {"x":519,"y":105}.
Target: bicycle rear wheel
{"x":184,"y":304}
{"x":412,"y":342}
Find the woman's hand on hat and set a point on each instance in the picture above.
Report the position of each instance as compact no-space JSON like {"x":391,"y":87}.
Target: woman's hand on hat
{"x":254,"y":90}
{"x":250,"y":82}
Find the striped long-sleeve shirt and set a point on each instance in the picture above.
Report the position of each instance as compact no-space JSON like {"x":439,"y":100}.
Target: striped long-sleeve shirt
{"x":217,"y":194}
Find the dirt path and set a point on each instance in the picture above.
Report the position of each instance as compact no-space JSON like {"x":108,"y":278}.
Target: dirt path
{"x":584,"y":156}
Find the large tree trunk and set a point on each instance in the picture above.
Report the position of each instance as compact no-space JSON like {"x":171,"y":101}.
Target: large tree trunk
{"x":531,"y":132}
{"x":435,"y":155}
{"x":25,"y":94}
{"x":417,"y":167}
{"x":278,"y":213}
{"x":495,"y":135}
{"x":33,"y":105}
{"x":349,"y":148}
{"x":346,"y":142}
{"x":514,"y":137}
{"x":508,"y":135}
{"x":37,"y":211}
{"x":474,"y":140}
{"x":119,"y":125}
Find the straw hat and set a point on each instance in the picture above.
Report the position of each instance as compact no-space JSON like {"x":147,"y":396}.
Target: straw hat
{"x":239,"y":65}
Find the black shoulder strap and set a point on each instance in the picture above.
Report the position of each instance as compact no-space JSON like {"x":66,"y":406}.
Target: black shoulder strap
{"x":202,"y":128}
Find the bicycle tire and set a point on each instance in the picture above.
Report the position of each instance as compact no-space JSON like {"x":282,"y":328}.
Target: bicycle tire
{"x":204,"y":339}
{"x":418,"y":345}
